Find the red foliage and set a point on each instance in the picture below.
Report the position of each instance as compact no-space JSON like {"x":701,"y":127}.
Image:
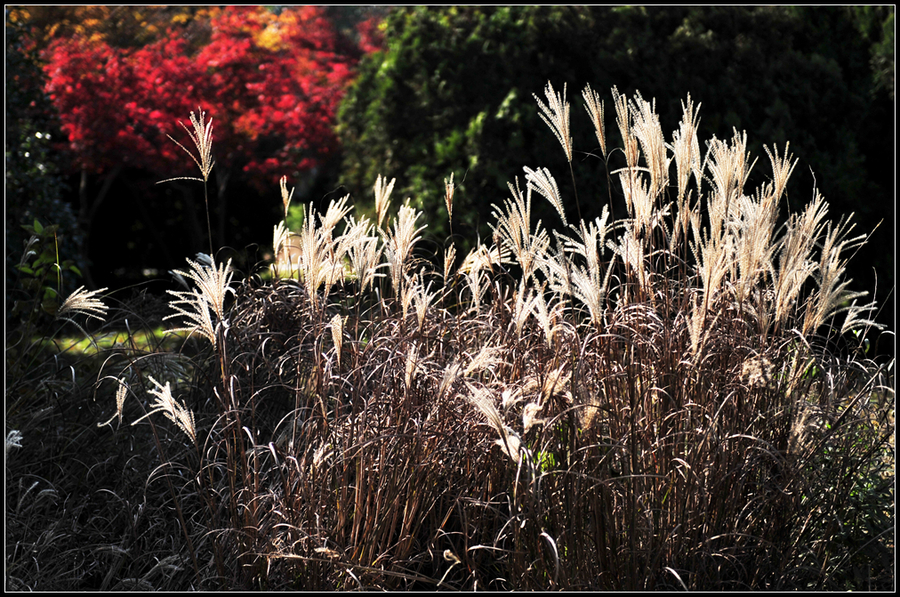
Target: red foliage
{"x":271,"y":83}
{"x":371,"y":38}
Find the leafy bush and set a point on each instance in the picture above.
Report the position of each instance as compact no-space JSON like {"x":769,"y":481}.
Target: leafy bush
{"x":34,"y":185}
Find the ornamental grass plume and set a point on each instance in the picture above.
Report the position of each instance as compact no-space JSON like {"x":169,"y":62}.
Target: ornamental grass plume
{"x":85,"y":303}
{"x":595,"y":109}
{"x":382,"y":197}
{"x":13,"y":440}
{"x":647,"y":129}
{"x":175,"y":412}
{"x":510,"y":441}
{"x":198,"y":306}
{"x":284,"y":246}
{"x":202,"y":138}
{"x":319,"y":255}
{"x":513,"y":228}
{"x":337,"y":335}
{"x":365,"y":254}
{"x":285,"y":196}
{"x":449,"y":187}
{"x":624,"y":120}
{"x":556,"y":114}
{"x":543,"y":182}
{"x":121,"y":393}
{"x":399,"y":244}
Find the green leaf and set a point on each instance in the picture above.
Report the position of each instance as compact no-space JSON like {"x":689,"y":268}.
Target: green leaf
{"x":43,"y":259}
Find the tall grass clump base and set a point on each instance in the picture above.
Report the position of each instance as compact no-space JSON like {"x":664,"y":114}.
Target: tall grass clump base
{"x":84,"y":510}
{"x":678,"y":399}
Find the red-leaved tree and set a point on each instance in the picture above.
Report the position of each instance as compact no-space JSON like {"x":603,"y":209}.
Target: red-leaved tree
{"x":271,"y":83}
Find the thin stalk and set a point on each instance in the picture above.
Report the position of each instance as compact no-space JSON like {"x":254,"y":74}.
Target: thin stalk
{"x":208,"y":225}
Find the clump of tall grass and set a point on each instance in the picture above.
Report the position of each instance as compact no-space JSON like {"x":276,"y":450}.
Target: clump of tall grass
{"x":80,"y":512}
{"x":676,"y":399}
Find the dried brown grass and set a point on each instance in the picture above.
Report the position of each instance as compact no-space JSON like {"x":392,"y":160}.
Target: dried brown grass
{"x":676,"y":399}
